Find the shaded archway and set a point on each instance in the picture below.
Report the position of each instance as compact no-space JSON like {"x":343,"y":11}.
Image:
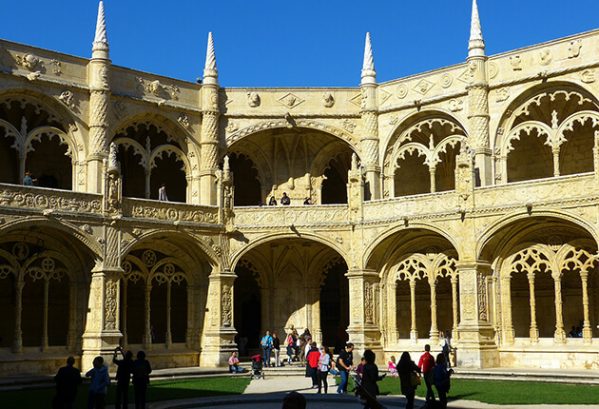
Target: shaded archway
{"x":247,"y":308}
{"x":297,"y":161}
{"x":294,"y":281}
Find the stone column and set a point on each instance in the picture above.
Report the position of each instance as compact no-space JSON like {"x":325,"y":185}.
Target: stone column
{"x":393,"y":331}
{"x":315,"y":327}
{"x":219,"y":333}
{"x":18,"y":332}
{"x":477,"y":348}
{"x":44,"y":343}
{"x":147,"y":338}
{"x":72,"y":334}
{"x":506,"y":309}
{"x":413,"y":325}
{"x":168,"y":338}
{"x":454,"y":308}
{"x":587,"y":331}
{"x":124,"y":315}
{"x":102,"y":327}
{"x":560,"y":334}
{"x":534,"y":331}
{"x":434,"y":332}
{"x":363,"y":331}
{"x":555,"y":150}
{"x":432,"y":171}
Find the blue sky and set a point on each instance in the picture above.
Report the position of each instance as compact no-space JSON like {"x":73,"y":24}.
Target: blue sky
{"x":291,"y":43}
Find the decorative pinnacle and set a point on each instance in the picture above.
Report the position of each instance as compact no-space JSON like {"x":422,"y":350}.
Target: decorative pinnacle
{"x":210,"y":70}
{"x":100,"y":46}
{"x":368,"y":72}
{"x":476,"y":45}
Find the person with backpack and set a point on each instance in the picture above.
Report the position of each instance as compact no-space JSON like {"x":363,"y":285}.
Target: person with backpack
{"x":344,"y":365}
{"x":426,"y":365}
{"x":266,"y":345}
{"x":141,"y":379}
{"x":441,"y":376}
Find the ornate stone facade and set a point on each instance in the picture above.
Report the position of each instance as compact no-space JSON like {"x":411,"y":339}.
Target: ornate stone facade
{"x":462,"y":200}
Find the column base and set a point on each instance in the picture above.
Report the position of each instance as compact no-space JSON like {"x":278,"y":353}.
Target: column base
{"x":365,"y":338}
{"x":99,"y":344}
{"x":477,"y":348}
{"x":217,"y":348}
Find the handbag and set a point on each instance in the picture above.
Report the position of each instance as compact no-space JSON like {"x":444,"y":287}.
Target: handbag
{"x":415,"y":379}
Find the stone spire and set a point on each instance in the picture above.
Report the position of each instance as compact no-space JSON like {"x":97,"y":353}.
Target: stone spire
{"x":476,"y":45}
{"x":100,"y":46}
{"x":210,"y":70}
{"x":368,"y":72}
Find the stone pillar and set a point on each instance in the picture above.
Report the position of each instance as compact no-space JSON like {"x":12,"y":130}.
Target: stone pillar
{"x":147,"y":338}
{"x":560,"y":333}
{"x":477,"y":348}
{"x":413,"y":325}
{"x":102,"y":333}
{"x":168,"y":338}
{"x":44,"y":343}
{"x":434,"y":332}
{"x":587,"y":331}
{"x":124,"y":315}
{"x":18,"y":332}
{"x":363,"y":330}
{"x":534,"y":331}
{"x":393,"y":331}
{"x":219,"y":332}
{"x":506,"y":309}
{"x":369,"y":143}
{"x":315,"y":327}
{"x":454,"y":308}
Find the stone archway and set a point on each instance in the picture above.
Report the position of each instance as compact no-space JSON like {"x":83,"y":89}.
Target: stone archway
{"x":289,"y":279}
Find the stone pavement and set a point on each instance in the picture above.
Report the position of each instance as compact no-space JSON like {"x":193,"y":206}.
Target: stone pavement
{"x":269,"y":393}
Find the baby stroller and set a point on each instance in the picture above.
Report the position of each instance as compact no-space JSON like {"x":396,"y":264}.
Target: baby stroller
{"x":366,"y":398}
{"x":257,"y":371}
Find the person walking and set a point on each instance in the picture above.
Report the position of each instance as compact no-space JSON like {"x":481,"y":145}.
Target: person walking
{"x":141,"y":379}
{"x":266,"y":345}
{"x":426,"y":365}
{"x":324,"y":365}
{"x":446,"y":346}
{"x":123,"y":377}
{"x":441,"y":377}
{"x":290,"y":344}
{"x":312,"y":359}
{"x":67,"y":379}
{"x":370,"y":377}
{"x":276,"y":348}
{"x":408,"y":378}
{"x":96,"y":398}
{"x":344,"y":365}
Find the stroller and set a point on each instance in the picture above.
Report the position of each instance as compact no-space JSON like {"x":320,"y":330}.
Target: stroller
{"x":257,"y":367}
{"x":365,"y":398}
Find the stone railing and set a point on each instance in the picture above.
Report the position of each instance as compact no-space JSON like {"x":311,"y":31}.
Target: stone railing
{"x":279,"y":216}
{"x":30,"y":197}
{"x":431,"y":204}
{"x":169,"y":211}
{"x":559,"y":191}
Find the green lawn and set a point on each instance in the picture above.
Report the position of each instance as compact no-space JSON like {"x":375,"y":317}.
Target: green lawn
{"x":509,"y":392}
{"x":158,"y":390}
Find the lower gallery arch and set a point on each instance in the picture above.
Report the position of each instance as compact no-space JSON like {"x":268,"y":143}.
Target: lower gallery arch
{"x":546,"y":293}
{"x":44,"y":283}
{"x":291,"y":284}
{"x":419,"y":280}
{"x":164,"y":288}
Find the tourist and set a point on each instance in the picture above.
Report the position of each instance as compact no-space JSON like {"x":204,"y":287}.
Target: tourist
{"x":67,"y":380}
{"x":266,"y":345}
{"x":28,"y":180}
{"x":446,"y":346}
{"x":392,"y":366}
{"x":360,"y":367}
{"x":141,"y":379}
{"x":123,"y":377}
{"x":344,"y":365}
{"x":307,"y":347}
{"x":370,"y":376}
{"x":290,"y":345}
{"x":441,"y":379}
{"x":307,"y":201}
{"x":276,"y":347}
{"x":272,"y":201}
{"x":96,"y":398}
{"x":324,"y":365}
{"x":426,"y":365}
{"x":408,"y":378}
{"x":162,"y":193}
{"x":234,"y":364}
{"x":306,"y":335}
{"x":312,"y":358}
{"x":285,"y":200}
{"x":294,"y":400}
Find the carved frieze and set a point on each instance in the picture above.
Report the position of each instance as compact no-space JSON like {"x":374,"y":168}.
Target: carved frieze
{"x":22,"y":197}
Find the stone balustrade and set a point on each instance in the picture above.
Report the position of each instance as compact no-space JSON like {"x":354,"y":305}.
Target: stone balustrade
{"x":38,"y":198}
{"x":170,"y":211}
{"x":279,"y":216}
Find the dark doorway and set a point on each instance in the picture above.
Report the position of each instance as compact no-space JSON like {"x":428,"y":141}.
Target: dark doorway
{"x":334,"y":186}
{"x":245,"y":180}
{"x":334,"y":307}
{"x":247,"y":309}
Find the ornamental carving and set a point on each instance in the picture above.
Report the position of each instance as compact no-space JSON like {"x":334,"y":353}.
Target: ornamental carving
{"x":446,"y":80}
{"x":516,"y":63}
{"x":23,"y":197}
{"x":423,"y":87}
{"x":253,"y":99}
{"x":157,"y":89}
{"x":368,"y":303}
{"x":30,"y":62}
{"x":545,"y":56}
{"x":574,"y":48}
{"x":226,"y":306}
{"x":68,"y":98}
{"x":328,"y":100}
{"x":482,"y":297}
{"x":183,"y":120}
{"x":111,"y":305}
{"x":290,"y":100}
{"x":170,"y":211}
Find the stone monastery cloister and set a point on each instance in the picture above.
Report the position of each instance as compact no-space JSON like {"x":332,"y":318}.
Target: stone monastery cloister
{"x":463,"y":199}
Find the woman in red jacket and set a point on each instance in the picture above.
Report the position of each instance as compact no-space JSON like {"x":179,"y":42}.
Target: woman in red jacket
{"x":312,"y":366}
